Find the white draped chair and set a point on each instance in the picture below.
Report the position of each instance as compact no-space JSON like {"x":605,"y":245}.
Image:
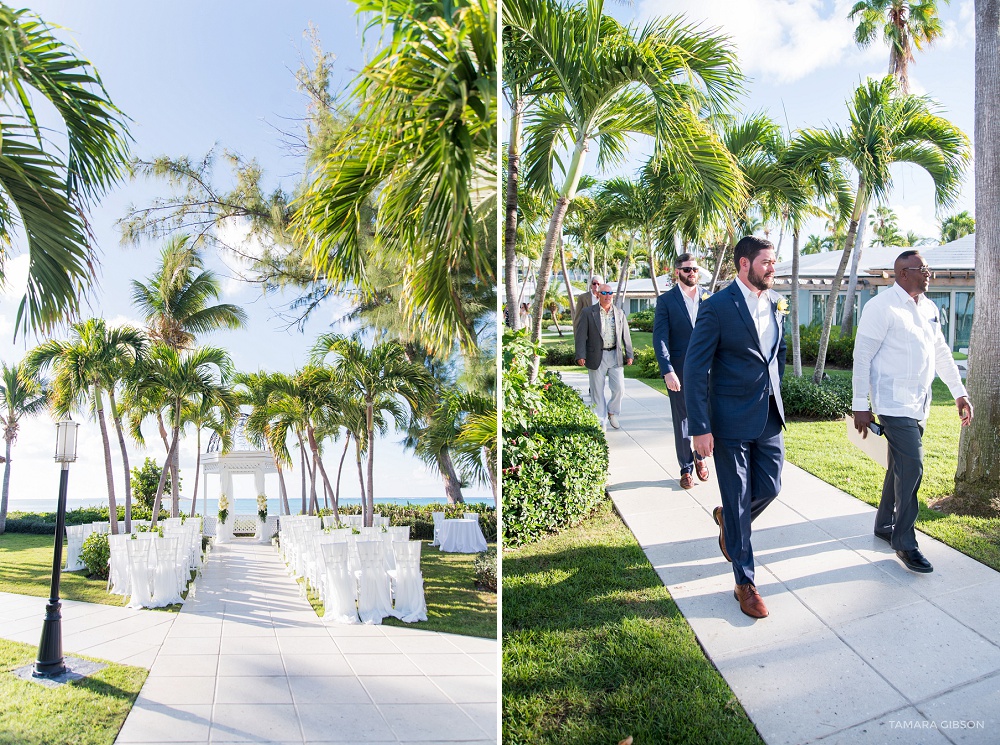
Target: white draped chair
{"x":118,"y":574}
{"x":341,"y":591}
{"x":380,"y":522}
{"x":374,"y":598}
{"x":408,"y":583}
{"x":472,"y":516}
{"x":104,"y":528}
{"x":75,"y":536}
{"x":165,"y":566}
{"x":438,"y":521}
{"x":140,"y":578}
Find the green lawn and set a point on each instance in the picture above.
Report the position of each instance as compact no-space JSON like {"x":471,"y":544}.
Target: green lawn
{"x":26,"y":568}
{"x":454,"y":604}
{"x":89,"y":711}
{"x":595,"y":650}
{"x":822,"y":449}
{"x":640,"y":339}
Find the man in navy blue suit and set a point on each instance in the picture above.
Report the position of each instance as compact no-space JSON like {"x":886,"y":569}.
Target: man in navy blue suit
{"x":676,"y":313}
{"x":737,"y":412}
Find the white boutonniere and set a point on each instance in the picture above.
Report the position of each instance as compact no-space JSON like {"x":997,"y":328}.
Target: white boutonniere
{"x":782,"y":309}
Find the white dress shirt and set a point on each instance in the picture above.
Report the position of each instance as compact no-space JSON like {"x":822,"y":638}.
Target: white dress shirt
{"x":763,"y":318}
{"x":898,"y":349}
{"x":692,"y":304}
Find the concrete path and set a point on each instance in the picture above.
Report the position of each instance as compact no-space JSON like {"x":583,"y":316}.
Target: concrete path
{"x":247,"y":660}
{"x":857,"y":649}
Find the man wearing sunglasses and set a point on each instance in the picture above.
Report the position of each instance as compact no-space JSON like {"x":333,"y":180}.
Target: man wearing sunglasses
{"x":898,"y":349}
{"x":676,"y":313}
{"x":603,"y":344}
{"x":586,"y":299}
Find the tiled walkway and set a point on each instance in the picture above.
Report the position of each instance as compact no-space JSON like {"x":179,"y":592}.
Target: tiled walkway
{"x":857,"y":649}
{"x":247,"y":660}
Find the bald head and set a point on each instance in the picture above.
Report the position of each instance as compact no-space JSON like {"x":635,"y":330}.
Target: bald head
{"x":912,"y":273}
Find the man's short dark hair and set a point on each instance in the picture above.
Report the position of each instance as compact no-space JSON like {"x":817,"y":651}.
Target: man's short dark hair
{"x":907,"y":254}
{"x":682,"y":258}
{"x":749,"y":247}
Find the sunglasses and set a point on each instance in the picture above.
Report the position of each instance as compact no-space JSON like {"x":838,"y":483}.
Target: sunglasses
{"x":605,"y":293}
{"x":688,"y":269}
{"x":595,"y":284}
{"x":925,"y":270}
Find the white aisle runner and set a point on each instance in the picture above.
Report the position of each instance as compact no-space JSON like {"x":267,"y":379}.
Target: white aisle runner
{"x":247,"y":660}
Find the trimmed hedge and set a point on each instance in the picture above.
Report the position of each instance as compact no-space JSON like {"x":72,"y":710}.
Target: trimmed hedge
{"x":642,"y":320}
{"x":646,"y":364}
{"x":420,"y":518}
{"x":560,"y":354}
{"x":829,"y":400}
{"x":554,"y":470}
{"x":44,"y":523}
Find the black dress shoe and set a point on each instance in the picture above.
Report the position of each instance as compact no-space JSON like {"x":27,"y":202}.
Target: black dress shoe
{"x":915,"y":561}
{"x":884,"y":535}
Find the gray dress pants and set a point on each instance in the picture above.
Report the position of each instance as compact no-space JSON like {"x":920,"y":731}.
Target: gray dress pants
{"x":897,"y":511}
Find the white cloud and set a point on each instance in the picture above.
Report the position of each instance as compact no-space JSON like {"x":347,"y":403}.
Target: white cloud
{"x":15,"y":278}
{"x":778,"y":40}
{"x":918,"y":219}
{"x":235,"y":233}
{"x":957,"y":32}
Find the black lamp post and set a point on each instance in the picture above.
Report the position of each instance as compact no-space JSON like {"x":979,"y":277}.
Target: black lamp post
{"x":50,"y":655}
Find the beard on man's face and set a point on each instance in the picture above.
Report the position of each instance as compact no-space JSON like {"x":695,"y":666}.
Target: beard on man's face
{"x":760,"y":281}
{"x":688,"y":279}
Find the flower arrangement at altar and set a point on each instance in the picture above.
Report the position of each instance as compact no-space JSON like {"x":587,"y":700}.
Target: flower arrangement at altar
{"x":223,"y":508}
{"x":262,"y":507}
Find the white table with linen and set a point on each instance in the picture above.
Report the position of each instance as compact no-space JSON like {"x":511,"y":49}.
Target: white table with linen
{"x":461,"y":536}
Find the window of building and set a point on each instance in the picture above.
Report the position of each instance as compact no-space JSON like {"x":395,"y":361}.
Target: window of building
{"x":943,"y":302}
{"x":818,"y":309}
{"x":965,"y":305}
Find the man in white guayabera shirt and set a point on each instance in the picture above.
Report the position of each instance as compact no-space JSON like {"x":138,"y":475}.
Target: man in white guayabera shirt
{"x":898,"y":349}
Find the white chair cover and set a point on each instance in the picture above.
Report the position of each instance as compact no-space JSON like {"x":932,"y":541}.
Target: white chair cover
{"x":101,"y":528}
{"x":472,"y":516}
{"x":140,"y":576}
{"x":74,"y":544}
{"x":438,"y":519}
{"x":341,"y":588}
{"x":163,"y":558}
{"x":118,"y":574}
{"x":380,"y":522}
{"x":374,"y":599}
{"x":409,"y":583}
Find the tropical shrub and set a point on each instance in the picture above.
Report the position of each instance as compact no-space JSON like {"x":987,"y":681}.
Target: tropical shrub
{"x":560,"y":354}
{"x":486,"y":570}
{"x":144,"y":482}
{"x":420,"y":517}
{"x":554,"y":466}
{"x":96,"y":554}
{"x":839,"y":353}
{"x":829,"y":400}
{"x":642,"y":320}
{"x":646,"y":364}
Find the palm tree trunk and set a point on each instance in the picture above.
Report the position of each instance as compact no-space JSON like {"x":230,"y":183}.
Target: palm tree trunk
{"x":370,"y":421}
{"x":361,"y":479}
{"x":163,"y":477}
{"x":6,"y":489}
{"x":566,"y":195}
{"x":831,"y":302}
{"x":125,"y":465}
{"x":569,"y":287}
{"x":197,"y":469}
{"x":796,"y":332}
{"x":282,"y":489}
{"x":452,"y":483}
{"x":302,"y":458}
{"x":175,"y":484}
{"x":652,"y":265}
{"x":112,"y":504}
{"x":340,"y":468}
{"x":313,"y":499}
{"x":326,"y":480}
{"x":491,"y":473}
{"x":979,"y":445}
{"x":510,"y":223}
{"x":847,"y":323}
{"x":524,"y":283}
{"x":623,"y":268}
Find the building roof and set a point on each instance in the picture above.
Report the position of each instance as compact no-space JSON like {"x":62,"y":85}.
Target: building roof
{"x":958,"y":255}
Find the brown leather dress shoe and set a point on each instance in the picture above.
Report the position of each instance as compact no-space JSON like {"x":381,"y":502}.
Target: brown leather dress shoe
{"x":701,"y":469}
{"x":717,"y":516}
{"x":750,"y":601}
{"x":686,"y":481}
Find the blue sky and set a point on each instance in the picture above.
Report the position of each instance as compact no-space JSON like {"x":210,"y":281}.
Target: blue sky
{"x":192,"y":76}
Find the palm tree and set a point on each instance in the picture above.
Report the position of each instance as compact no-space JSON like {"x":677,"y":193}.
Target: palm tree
{"x":422,"y":149}
{"x":21,"y":395}
{"x":84,"y":369}
{"x":184,"y":378}
{"x":815,"y":245}
{"x":885,"y":128}
{"x":255,"y":391}
{"x":433,"y":437}
{"x":904,"y":25}
{"x":885,"y":228}
{"x":45,"y":190}
{"x":609,"y":82}
{"x":978,"y":449}
{"x":214,"y":412}
{"x":380,"y":377}
{"x":954,"y":227}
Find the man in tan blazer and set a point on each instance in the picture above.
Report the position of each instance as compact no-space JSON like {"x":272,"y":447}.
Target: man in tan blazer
{"x":585,"y":299}
{"x":603,"y":344}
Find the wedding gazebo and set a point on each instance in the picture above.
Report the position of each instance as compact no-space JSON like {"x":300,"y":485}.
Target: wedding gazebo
{"x":243,"y":457}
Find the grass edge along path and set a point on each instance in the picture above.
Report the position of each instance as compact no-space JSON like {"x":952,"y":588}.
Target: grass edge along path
{"x":454,"y":604}
{"x":595,"y":650}
{"x":89,"y":711}
{"x":821,"y":447}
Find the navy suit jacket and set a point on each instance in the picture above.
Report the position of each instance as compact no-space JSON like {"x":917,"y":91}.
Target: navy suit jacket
{"x":672,"y":331}
{"x":732,"y":403}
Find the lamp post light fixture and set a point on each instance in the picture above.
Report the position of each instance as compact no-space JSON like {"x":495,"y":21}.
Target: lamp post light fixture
{"x":50,"y":655}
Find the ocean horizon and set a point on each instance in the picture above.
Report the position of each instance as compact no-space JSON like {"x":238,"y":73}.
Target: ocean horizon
{"x":241,"y":506}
